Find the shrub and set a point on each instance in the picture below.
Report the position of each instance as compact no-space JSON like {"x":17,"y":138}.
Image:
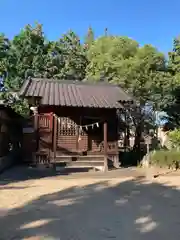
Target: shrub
{"x":165,"y":158}
{"x":174,"y":137}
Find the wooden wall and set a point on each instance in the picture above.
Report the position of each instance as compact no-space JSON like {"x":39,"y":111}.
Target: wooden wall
{"x":10,"y":132}
{"x":4,"y":134}
{"x":28,"y":143}
{"x":69,"y":141}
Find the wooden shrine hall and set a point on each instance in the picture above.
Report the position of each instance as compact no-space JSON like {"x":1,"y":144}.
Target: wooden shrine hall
{"x":75,"y":122}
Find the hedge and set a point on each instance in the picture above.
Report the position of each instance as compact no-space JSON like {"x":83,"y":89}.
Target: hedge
{"x":165,"y":158}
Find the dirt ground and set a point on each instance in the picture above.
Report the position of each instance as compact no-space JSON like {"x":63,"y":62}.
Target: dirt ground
{"x":37,"y":204}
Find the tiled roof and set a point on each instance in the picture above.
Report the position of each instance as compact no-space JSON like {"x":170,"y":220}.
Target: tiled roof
{"x":74,"y":93}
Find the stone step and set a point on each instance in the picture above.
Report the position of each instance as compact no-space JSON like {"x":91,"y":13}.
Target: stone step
{"x":99,"y":158}
{"x":71,"y":169}
{"x":80,"y":164}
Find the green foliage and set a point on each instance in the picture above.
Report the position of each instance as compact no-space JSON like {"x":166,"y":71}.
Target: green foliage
{"x":140,"y":70}
{"x":174,"y":137}
{"x":89,"y":39}
{"x":164,"y":158}
{"x":25,"y":57}
{"x":174,"y":57}
{"x":31,"y":54}
{"x":107,"y":55}
{"x":173,"y":106}
{"x":74,"y":57}
{"x":19,"y":105}
{"x":4,"y":48}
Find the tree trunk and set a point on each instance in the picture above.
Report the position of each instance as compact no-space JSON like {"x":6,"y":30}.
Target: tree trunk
{"x":138,"y":135}
{"x":127,"y":137}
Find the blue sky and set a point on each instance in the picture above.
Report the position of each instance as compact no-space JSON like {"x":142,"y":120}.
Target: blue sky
{"x":147,"y":21}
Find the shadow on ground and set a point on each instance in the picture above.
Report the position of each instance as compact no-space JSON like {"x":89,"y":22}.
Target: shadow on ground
{"x":25,"y":173}
{"x":132,"y":209}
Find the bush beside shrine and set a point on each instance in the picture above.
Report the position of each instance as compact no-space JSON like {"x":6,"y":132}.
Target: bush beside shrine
{"x":166,"y":158}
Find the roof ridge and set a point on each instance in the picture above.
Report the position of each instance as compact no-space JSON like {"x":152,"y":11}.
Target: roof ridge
{"x":74,"y":93}
{"x":77,"y":82}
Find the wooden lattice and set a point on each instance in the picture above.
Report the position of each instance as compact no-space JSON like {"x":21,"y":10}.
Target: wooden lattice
{"x":44,"y":121}
{"x":67,"y":126}
{"x":111,"y":146}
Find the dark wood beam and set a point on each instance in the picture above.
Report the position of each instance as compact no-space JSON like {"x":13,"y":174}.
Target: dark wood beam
{"x":77,"y":138}
{"x":54,"y":138}
{"x":36,"y":132}
{"x":105,"y":147}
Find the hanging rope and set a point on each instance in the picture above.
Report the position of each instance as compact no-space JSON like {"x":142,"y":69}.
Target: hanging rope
{"x":81,"y":127}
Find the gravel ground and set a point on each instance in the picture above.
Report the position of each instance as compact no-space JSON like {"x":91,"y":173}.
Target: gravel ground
{"x":36,"y":204}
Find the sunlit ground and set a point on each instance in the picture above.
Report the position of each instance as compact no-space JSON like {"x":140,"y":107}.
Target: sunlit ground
{"x":90,"y":208}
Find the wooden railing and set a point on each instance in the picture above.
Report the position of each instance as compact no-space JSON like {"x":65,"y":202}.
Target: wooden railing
{"x":111,"y":147}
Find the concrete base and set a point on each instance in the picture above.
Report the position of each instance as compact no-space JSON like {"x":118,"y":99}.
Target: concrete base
{"x":100,"y":168}
{"x":116,"y":162}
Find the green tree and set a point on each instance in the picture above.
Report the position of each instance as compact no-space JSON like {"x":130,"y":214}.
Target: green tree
{"x":31,"y":54}
{"x":141,"y":71}
{"x":107,"y":54}
{"x":26,"y":57}
{"x":4,"y":49}
{"x":174,"y":137}
{"x":174,"y":57}
{"x":173,"y":105}
{"x":89,"y":38}
{"x":74,"y":57}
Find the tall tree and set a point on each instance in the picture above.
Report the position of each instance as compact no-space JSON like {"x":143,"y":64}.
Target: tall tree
{"x":139,"y":70}
{"x":173,"y":106}
{"x":4,"y":50}
{"x":89,"y":38}
{"x":107,"y":55}
{"x":26,"y":56}
{"x":174,"y":57}
{"x":31,"y":54}
{"x":74,"y":57}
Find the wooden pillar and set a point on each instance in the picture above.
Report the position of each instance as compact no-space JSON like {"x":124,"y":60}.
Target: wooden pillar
{"x":77,"y":138}
{"x":116,"y":157}
{"x":35,"y":122}
{"x":54,"y":138}
{"x":35,"y":112}
{"x":36,"y":119}
{"x":105,"y":147}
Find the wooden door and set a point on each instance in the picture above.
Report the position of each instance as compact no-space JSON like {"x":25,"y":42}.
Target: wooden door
{"x":45,"y":127}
